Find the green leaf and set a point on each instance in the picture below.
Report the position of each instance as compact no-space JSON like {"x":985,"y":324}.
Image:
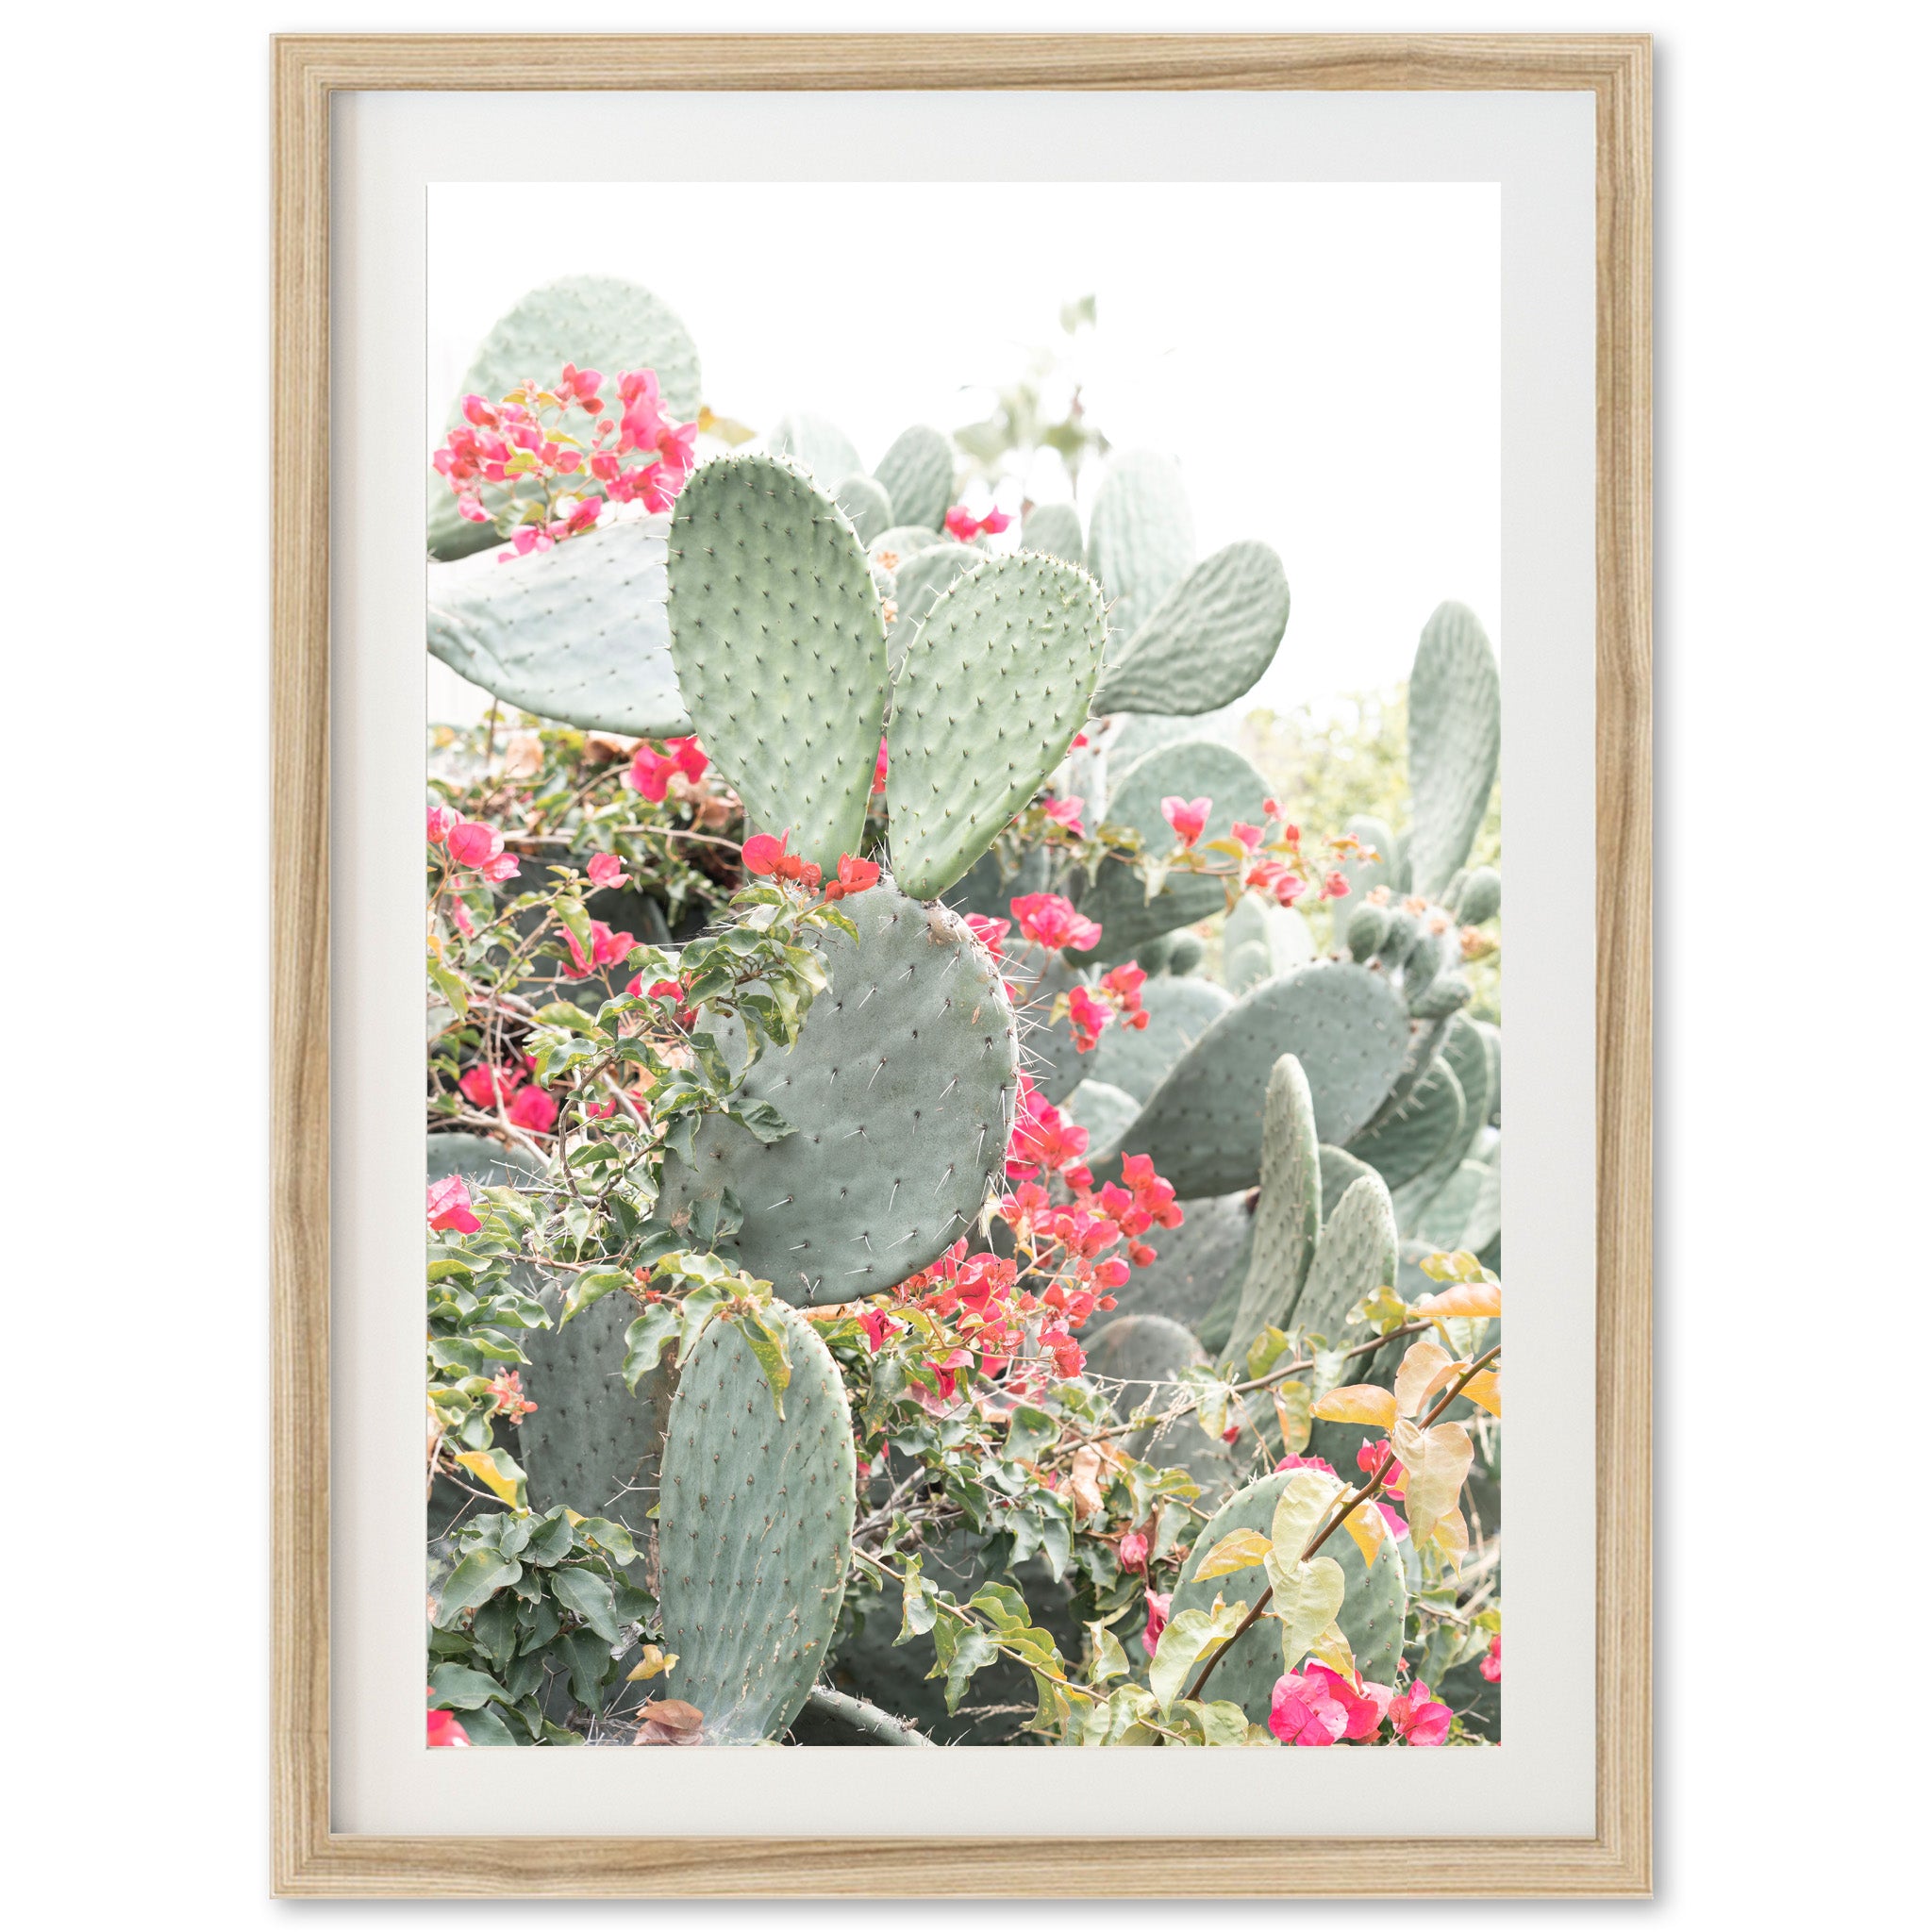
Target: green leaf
{"x":450,"y":987}
{"x":588,"y":1289}
{"x":563,"y":1013}
{"x":475,"y":1581}
{"x":1187,"y":1639}
{"x":552,"y":1542}
{"x":765,"y":1336}
{"x":921,"y":1606}
{"x":485,"y":1729}
{"x":571,"y":911}
{"x":1110,"y":1659}
{"x":1307,"y":1599}
{"x":1030,"y":1431}
{"x":587,"y":1658}
{"x":761,"y":1118}
{"x":588,"y":1595}
{"x":646,"y":1338}
{"x":697,"y":1309}
{"x":612,"y":1537}
{"x":456,"y":1687}
{"x":963,"y":1649}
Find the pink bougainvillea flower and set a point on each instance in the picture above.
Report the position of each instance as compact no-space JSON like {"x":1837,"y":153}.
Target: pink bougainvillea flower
{"x":1133,"y":1551}
{"x":1417,"y":1717}
{"x":878,"y":771}
{"x":445,"y":1730}
{"x":650,"y":773}
{"x":688,"y":754}
{"x":1365,"y":1703}
{"x":1086,"y":1016}
{"x":484,"y":1087}
{"x":504,"y":866}
{"x":1492,"y":1666}
{"x":1080,"y":741}
{"x":441,"y":818}
{"x":1373,"y":1456}
{"x":766,"y":856}
{"x":1157,"y":1602}
{"x":962,"y":526}
{"x":471,"y":842}
{"x":989,"y":931}
{"x":1122,"y":989}
{"x":534,"y":1109}
{"x":599,"y":1110}
{"x":854,"y":875}
{"x":1287,"y":1462}
{"x":1304,"y":1710}
{"x":449,"y":1207}
{"x":1048,"y":920}
{"x":1066,"y":811}
{"x":511,"y":1403}
{"x":607,"y":871}
{"x":460,"y":914}
{"x":1250,"y":836}
{"x":877,"y":1324}
{"x":1188,"y":816}
{"x":1334,"y":887}
{"x":1282,"y":881}
{"x":608,"y":949}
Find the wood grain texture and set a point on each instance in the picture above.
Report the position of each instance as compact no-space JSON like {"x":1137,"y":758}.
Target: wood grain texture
{"x":311,"y":1861}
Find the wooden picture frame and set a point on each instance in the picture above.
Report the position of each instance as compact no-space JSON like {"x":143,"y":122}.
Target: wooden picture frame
{"x":311,"y":1861}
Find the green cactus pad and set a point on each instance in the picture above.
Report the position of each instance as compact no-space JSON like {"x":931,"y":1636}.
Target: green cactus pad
{"x":1485,"y":1222}
{"x":866,"y":504}
{"x":1442,"y":1223}
{"x":918,"y":583}
{"x":1404,"y":1142}
{"x":989,"y":696}
{"x":1192,"y":1261}
{"x":990,"y":889}
{"x":755,"y":1531}
{"x":900,"y":1092}
{"x":1480,"y":895}
{"x":1374,"y":1606}
{"x":822,"y":449}
{"x":1141,"y":540}
{"x":1136,"y":1358}
{"x":1186,"y":954}
{"x":1178,"y":1013}
{"x":1454,"y":741}
{"x":901,"y":541}
{"x":1356,"y":1255}
{"x":1245,"y":966}
{"x":780,"y":649}
{"x":1366,"y":931}
{"x":1287,"y":1216}
{"x":596,"y":322}
{"x":1208,"y":640}
{"x":1202,"y":1123}
{"x":1340,"y":1170}
{"x":579,"y":633}
{"x":1218,"y":1323}
{"x":1193,"y":768}
{"x":1053,"y":529}
{"x":1470,"y":1057}
{"x":917,"y":472}
{"x":1106,"y":1112}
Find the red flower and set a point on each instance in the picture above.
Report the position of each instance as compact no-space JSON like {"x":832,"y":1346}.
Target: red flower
{"x":1366,"y":1703}
{"x":1188,"y":817}
{"x":1334,"y":887}
{"x":1492,"y":1666}
{"x":963,"y":525}
{"x":1066,"y":811}
{"x":878,"y":771}
{"x":1250,"y":836}
{"x":441,"y":819}
{"x":449,"y":1207}
{"x":1287,"y":1462}
{"x":767,"y":856}
{"x":471,"y":842}
{"x":511,"y":1402}
{"x":607,"y":871}
{"x":1283,"y":881}
{"x":533,"y":1108}
{"x":1048,"y":920}
{"x":483,"y":1086}
{"x":854,"y":875}
{"x":1303,"y":1709}
{"x":1371,"y":1456}
{"x":1086,"y":1016}
{"x":1157,"y":1602}
{"x":606,"y":949}
{"x":989,"y":932}
{"x":1133,"y":1551}
{"x":1417,"y":1717}
{"x":878,"y":1325}
{"x":444,"y":1730}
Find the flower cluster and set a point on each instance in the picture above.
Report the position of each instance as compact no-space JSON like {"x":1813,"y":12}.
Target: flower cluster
{"x":1047,"y":920}
{"x":962,"y":526}
{"x":488,"y":1088}
{"x":766,"y":857}
{"x":630,"y":451}
{"x":652,"y":772}
{"x":472,"y":844}
{"x":1089,"y":1009}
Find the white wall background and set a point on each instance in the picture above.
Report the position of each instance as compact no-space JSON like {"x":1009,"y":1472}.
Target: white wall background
{"x":1792,"y":508}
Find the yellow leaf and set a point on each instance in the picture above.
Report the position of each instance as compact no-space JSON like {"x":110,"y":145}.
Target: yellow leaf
{"x":1436,"y":1461}
{"x":653,"y":1663}
{"x":1241,"y":1549}
{"x":1485,"y":1389}
{"x":1233,"y":848}
{"x":497,"y":1473}
{"x":1306,"y":1600}
{"x":1291,"y":1414}
{"x":1368,"y":1526}
{"x":1420,"y":1367}
{"x":1451,"y":1536}
{"x":1463,"y":1298}
{"x":1382,"y":1310}
{"x":1300,"y":1511}
{"x":1360,"y":1402}
{"x":1331,"y":1648}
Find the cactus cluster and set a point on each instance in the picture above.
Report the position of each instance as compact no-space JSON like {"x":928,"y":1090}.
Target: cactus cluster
{"x":1327,"y":1114}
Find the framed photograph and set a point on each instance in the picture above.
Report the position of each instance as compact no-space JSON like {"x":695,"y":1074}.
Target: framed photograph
{"x":898,"y":662}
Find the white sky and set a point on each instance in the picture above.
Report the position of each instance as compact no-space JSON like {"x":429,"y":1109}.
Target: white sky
{"x":1323,"y":358}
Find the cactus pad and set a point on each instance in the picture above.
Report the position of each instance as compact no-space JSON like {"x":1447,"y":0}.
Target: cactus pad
{"x":1193,"y":768}
{"x":1137,"y":1358}
{"x":1053,"y":529}
{"x":986,"y":701}
{"x":579,"y":633}
{"x":866,"y":504}
{"x":819,"y":448}
{"x":755,"y":1530}
{"x":1374,"y":1605}
{"x":1208,"y":640}
{"x":900,"y":1092}
{"x":1178,"y":1013}
{"x":917,"y":472}
{"x":597,"y":321}
{"x":1141,"y":540}
{"x":1340,"y":1170}
{"x":1356,"y":1255}
{"x":1404,"y":1142}
{"x":780,"y":649}
{"x":918,"y":580}
{"x":1202,"y":1123}
{"x":1106,"y":1112}
{"x":1455,"y":741}
{"x":1287,"y":1216}
{"x":1192,"y":1262}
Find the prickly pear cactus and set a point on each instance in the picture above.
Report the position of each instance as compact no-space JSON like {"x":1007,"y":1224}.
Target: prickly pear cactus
{"x":1402,"y":1144}
{"x":1287,"y":1216}
{"x":578,"y":633}
{"x":1053,"y":529}
{"x":900,"y":1093}
{"x":1208,"y":639}
{"x":780,"y":649}
{"x":917,"y":473}
{"x":1178,"y":1013}
{"x":866,"y":504}
{"x":1203,"y":1123}
{"x":1141,"y":537}
{"x":1373,"y":1606}
{"x":597,"y":321}
{"x":1454,"y":743}
{"x":985,"y":704}
{"x":919,"y":580}
{"x":755,"y":1530}
{"x":1192,"y":1261}
{"x":1136,"y":1359}
{"x":1194,"y":768}
{"x":819,"y":448}
{"x":1106,"y":1112}
{"x":1355,"y":1256}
